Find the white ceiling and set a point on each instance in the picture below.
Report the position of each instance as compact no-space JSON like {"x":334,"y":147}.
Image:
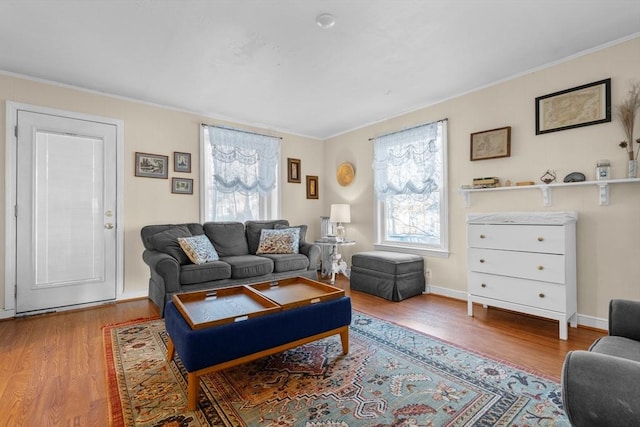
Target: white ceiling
{"x":266,"y":63}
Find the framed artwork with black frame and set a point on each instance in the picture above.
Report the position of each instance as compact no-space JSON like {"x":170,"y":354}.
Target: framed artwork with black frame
{"x":181,"y":162}
{"x":579,"y":106}
{"x":182,"y":185}
{"x":312,"y":187}
{"x":152,"y":165}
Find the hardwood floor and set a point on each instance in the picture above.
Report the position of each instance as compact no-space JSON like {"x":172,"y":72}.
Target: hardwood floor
{"x":52,"y":368}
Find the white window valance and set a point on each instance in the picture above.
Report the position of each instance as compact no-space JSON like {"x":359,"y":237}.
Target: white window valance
{"x":243,"y":162}
{"x":406,"y":162}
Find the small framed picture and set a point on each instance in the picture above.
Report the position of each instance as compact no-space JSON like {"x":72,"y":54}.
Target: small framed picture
{"x":312,"y":187}
{"x":152,"y":165}
{"x":293,"y":170}
{"x":491,"y":144}
{"x":182,"y":185}
{"x":579,"y":106}
{"x":181,"y":162}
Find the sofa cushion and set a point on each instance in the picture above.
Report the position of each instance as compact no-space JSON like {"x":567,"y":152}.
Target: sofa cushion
{"x":227,"y":237}
{"x":617,"y":346}
{"x":254,"y":228}
{"x":216,"y":270}
{"x":288,"y":262}
{"x":245,"y":266}
{"x":149,"y":230}
{"x":302,"y":230}
{"x":167,"y":242}
{"x":286,"y":241}
{"x":198,"y":248}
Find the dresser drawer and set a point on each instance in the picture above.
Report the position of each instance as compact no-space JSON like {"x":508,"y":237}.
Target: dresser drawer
{"x":526,"y":265}
{"x":547,"y":296}
{"x":517,"y":237}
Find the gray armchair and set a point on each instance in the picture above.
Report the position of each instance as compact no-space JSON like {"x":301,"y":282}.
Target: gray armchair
{"x":601,"y":386}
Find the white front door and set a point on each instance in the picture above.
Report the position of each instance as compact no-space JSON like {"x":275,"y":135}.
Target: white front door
{"x":66,"y":240}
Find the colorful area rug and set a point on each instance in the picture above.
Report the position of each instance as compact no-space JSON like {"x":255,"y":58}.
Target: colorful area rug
{"x":392,"y":376}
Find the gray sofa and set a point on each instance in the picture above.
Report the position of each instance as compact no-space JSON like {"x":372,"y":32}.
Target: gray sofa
{"x":601,"y":387}
{"x":236,"y":244}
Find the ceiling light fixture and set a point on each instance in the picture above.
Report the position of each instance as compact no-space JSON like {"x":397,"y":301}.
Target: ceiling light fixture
{"x":325,"y":21}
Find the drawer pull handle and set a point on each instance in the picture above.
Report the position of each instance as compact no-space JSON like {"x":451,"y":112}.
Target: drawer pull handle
{"x":540,"y":239}
{"x":482,"y":236}
{"x":481,"y":261}
{"x":484,"y":285}
{"x":541,"y":295}
{"x":540,"y":268}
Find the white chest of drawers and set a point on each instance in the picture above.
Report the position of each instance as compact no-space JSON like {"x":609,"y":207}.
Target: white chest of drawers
{"x":524,"y":262}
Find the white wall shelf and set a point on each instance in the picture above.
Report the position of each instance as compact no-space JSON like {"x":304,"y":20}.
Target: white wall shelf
{"x":546,"y":189}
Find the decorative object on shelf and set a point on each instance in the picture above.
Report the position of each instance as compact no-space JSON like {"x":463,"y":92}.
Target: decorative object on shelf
{"x":574,"y":177}
{"x":152,"y":165}
{"x":340,"y":214}
{"x":491,"y":144}
{"x":579,"y":106}
{"x":293,"y":170}
{"x":181,"y":162}
{"x":524,"y":183}
{"x":627,"y":112}
{"x":312,"y":187}
{"x":603,"y":170}
{"x":345,"y":174}
{"x":182,"y":185}
{"x":548,"y":177}
{"x":488,"y":182}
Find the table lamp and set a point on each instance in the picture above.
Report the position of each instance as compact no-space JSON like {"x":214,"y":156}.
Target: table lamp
{"x":340,"y":214}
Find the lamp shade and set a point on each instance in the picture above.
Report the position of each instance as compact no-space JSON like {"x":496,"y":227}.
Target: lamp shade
{"x":340,"y":213}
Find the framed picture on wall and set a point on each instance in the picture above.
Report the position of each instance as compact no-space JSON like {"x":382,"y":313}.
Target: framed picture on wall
{"x":312,"y":187}
{"x":579,"y":106}
{"x":181,"y":162}
{"x":182,"y":185}
{"x":152,"y":165}
{"x":491,"y":144}
{"x":293,"y":170}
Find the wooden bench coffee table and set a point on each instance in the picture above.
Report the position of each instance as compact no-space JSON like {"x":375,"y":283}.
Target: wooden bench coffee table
{"x":215,"y":330}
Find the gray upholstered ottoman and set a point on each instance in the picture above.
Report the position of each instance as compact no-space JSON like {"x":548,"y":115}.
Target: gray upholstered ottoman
{"x":390,"y":275}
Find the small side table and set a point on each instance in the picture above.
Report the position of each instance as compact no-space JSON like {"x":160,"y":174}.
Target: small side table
{"x":337,"y":264}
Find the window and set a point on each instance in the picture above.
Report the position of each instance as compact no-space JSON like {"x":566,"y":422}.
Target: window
{"x":239,"y":175}
{"x":410,"y":189}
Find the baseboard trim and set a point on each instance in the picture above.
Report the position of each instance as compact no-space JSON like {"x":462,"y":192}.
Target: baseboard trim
{"x":583,"y":320}
{"x":593,"y":322}
{"x":7,"y":314}
{"x":125,"y":296}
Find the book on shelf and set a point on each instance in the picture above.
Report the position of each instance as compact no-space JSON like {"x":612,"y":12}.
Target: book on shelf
{"x":492,"y":180}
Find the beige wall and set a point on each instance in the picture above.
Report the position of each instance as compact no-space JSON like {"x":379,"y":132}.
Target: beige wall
{"x":156,"y":130}
{"x":608,"y":236}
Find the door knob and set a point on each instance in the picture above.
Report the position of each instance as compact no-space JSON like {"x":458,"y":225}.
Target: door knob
{"x":108,"y":226}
